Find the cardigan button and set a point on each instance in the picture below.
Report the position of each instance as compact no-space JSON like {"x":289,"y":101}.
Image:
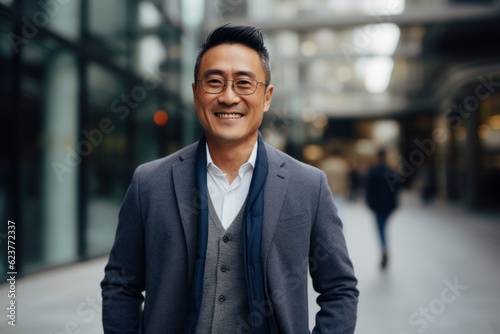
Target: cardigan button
{"x":225,"y":238}
{"x":222,"y":298}
{"x":224,"y":269}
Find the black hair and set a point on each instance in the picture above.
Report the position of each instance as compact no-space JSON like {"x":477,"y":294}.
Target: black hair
{"x":251,"y":37}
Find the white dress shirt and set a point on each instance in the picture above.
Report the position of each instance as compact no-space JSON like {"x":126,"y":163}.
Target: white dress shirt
{"x":229,"y":198}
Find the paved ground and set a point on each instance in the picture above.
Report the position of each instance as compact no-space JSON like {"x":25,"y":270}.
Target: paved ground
{"x":443,"y":278}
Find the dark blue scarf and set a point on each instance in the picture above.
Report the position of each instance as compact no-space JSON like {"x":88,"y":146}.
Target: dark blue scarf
{"x":252,"y":238}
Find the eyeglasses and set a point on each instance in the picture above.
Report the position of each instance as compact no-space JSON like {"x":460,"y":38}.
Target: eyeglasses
{"x":240,"y":86}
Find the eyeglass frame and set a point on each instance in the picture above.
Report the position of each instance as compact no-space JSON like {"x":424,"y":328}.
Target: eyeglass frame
{"x":232,"y":85}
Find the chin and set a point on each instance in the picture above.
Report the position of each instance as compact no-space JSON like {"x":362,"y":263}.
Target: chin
{"x":229,"y":138}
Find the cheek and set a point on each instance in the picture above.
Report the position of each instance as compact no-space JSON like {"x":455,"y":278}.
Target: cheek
{"x":199,"y":104}
{"x":202,"y":115}
{"x":203,"y":109}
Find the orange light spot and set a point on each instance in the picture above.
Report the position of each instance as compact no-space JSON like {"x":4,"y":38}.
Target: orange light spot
{"x":160,"y":117}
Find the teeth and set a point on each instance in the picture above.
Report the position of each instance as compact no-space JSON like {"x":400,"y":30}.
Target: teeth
{"x":229,"y":115}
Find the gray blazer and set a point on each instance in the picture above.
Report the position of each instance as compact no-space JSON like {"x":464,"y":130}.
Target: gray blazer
{"x":155,"y":248}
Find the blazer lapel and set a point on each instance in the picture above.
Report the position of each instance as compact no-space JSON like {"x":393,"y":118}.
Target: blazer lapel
{"x":274,"y":195}
{"x":183,"y":176}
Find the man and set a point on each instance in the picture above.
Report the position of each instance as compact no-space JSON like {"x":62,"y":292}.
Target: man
{"x":381,"y":198}
{"x":220,"y":234}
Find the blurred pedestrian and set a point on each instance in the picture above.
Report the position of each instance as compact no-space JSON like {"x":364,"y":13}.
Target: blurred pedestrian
{"x":381,"y":198}
{"x":355,"y":181}
{"x":336,"y":169}
{"x":218,"y":237}
{"x":429,"y":183}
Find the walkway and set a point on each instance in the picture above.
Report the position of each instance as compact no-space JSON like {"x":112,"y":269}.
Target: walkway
{"x":443,"y":278}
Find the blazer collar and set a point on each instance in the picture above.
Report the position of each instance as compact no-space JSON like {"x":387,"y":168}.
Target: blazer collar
{"x":274,"y":195}
{"x":183,"y":176}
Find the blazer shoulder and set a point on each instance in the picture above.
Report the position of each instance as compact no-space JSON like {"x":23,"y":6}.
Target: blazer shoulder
{"x":291,"y":165}
{"x":165,"y":164}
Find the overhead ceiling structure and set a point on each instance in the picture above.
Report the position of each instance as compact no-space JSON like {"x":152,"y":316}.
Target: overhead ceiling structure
{"x":377,"y":58}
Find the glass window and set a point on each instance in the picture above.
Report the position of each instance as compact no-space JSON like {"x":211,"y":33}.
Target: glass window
{"x":109,"y":108}
{"x":108,"y":28}
{"x":53,"y":140}
{"x":48,"y":111}
{"x":62,"y":17}
{"x":127,"y":124}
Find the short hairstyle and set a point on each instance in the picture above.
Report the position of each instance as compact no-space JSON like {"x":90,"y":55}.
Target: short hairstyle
{"x":251,"y":37}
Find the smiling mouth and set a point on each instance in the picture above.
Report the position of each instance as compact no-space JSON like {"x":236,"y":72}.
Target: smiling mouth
{"x":230,"y":116}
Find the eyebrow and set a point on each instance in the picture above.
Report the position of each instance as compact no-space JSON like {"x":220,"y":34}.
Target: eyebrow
{"x":221,"y":72}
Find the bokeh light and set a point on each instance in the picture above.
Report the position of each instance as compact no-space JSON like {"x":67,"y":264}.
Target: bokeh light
{"x":160,"y":117}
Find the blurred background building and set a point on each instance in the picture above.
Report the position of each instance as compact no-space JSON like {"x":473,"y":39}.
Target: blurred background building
{"x":91,"y":89}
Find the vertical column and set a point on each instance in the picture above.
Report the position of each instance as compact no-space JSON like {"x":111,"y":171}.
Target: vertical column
{"x":192,"y":19}
{"x":61,"y":159}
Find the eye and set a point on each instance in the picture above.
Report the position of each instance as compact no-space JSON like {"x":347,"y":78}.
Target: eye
{"x":244,"y":83}
{"x":214,"y":82}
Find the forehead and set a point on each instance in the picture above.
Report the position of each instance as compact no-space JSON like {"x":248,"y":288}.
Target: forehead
{"x":231,"y":59}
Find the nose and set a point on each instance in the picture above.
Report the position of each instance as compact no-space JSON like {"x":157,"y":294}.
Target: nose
{"x":228,"y":96}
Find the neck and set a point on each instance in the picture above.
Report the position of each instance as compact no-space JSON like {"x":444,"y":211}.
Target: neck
{"x":229,"y":157}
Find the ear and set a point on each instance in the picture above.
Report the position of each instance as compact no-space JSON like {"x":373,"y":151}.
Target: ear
{"x":268,"y":96}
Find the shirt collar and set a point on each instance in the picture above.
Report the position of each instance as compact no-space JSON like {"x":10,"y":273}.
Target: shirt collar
{"x":251,"y":160}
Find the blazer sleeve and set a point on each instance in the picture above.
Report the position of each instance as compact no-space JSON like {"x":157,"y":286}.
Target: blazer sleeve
{"x":123,"y":281}
{"x":331,"y":269}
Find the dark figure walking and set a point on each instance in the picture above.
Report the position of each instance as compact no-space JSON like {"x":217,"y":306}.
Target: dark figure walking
{"x":381,"y":197}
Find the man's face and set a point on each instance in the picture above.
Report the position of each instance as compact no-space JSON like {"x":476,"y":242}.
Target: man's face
{"x":228,"y":117}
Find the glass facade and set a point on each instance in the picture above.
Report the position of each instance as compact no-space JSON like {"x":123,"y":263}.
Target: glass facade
{"x":90,"y":89}
{"x":106,"y":164}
